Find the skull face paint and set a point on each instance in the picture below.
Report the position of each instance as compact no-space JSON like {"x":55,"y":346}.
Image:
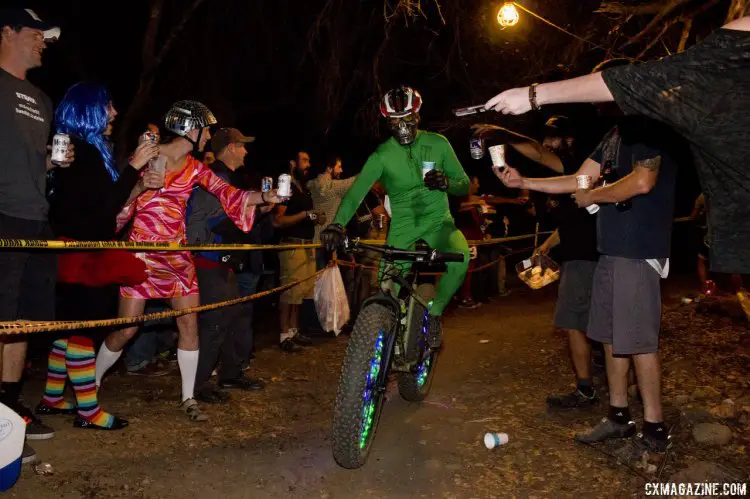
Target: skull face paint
{"x":404,"y":130}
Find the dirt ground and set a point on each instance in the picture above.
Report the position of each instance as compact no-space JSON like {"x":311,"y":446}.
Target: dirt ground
{"x":277,"y":443}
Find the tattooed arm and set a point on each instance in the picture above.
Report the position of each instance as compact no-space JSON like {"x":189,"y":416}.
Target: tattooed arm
{"x":640,"y":181}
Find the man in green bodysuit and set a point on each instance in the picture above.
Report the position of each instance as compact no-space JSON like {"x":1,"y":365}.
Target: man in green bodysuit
{"x":419,"y":202}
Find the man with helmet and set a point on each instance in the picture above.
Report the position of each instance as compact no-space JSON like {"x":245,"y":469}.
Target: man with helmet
{"x":159,"y":216}
{"x":419,"y":204}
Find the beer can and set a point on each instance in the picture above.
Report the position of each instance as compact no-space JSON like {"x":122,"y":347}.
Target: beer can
{"x":476,"y":147}
{"x":60,"y":143}
{"x":150,"y":137}
{"x":266,"y":184}
{"x":497,"y":153}
{"x":427,"y":166}
{"x":285,"y":186}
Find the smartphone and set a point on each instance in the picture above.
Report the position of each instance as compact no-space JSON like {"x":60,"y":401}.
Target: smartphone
{"x":466,"y":111}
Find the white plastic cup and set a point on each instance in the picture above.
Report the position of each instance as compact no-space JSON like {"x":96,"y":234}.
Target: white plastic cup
{"x":497,"y":153}
{"x":492,"y":440}
{"x":426,"y":167}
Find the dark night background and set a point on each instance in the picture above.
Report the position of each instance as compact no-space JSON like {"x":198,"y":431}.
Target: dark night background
{"x":309,"y":73}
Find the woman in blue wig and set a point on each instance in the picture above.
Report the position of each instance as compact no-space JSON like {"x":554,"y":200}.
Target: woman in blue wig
{"x":85,"y":199}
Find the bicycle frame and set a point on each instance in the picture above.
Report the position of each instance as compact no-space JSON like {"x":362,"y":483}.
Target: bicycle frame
{"x":404,"y":310}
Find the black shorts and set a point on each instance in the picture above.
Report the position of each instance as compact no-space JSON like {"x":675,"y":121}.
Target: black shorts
{"x":574,"y":295}
{"x":625,"y":306}
{"x":28,"y":276}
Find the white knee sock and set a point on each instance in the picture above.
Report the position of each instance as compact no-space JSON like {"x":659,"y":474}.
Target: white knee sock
{"x":188,"y":362}
{"x":105,"y":359}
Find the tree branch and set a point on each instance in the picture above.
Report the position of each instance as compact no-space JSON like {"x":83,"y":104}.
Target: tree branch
{"x":688,"y":24}
{"x":665,"y":11}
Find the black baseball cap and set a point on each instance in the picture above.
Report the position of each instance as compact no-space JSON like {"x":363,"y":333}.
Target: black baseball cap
{"x":27,"y":18}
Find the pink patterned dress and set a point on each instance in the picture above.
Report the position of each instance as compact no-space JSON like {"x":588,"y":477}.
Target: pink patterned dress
{"x":159,"y":216}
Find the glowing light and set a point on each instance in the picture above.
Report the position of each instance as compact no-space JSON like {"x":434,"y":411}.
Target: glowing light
{"x":508,"y":15}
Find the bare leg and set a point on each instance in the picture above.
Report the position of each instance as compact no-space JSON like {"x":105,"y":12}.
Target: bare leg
{"x":649,"y":382}
{"x":617,"y":375}
{"x":187,"y":344}
{"x":187,"y":325}
{"x":294,"y":316}
{"x":129,"y":307}
{"x":111,"y":349}
{"x":702,"y":270}
{"x":284,"y":320}
{"x":13,"y":359}
{"x":580,"y":353}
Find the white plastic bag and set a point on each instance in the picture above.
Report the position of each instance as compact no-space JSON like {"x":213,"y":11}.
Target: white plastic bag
{"x":331,"y":302}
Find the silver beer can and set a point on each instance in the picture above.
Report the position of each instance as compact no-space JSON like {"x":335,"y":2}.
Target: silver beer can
{"x":285,"y":186}
{"x":476,"y":147}
{"x":60,"y":144}
{"x":266,"y":184}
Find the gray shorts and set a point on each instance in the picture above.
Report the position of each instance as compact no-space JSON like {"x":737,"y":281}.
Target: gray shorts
{"x":625,"y":306}
{"x":574,"y":295}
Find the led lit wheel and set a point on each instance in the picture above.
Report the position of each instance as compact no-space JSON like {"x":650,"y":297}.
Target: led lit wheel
{"x":414,"y":386}
{"x":364,"y":379}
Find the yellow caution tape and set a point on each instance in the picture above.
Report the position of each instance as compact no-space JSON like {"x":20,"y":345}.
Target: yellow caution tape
{"x":26,"y":327}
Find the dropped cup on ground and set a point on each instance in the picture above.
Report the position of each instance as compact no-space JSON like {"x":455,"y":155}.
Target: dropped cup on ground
{"x":492,"y":440}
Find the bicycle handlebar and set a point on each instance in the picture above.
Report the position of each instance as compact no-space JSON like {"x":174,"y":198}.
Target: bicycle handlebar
{"x":392,"y":254}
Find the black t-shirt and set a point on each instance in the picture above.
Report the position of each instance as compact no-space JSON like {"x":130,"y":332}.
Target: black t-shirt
{"x":360,"y":223}
{"x":25,"y":120}
{"x":576,"y":227}
{"x":704,"y":93}
{"x":299,"y":202}
{"x":643,"y":231}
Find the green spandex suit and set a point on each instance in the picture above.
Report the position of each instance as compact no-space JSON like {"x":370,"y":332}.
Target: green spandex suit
{"x":418,"y":213}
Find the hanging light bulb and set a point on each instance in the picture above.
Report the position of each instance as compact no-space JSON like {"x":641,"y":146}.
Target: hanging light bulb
{"x":508,"y":15}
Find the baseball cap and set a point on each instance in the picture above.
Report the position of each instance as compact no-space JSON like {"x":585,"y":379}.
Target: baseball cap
{"x":27,"y":18}
{"x":225,"y":136}
{"x":558,"y":126}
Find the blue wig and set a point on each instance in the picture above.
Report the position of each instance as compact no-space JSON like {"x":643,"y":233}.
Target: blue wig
{"x":83,"y":114}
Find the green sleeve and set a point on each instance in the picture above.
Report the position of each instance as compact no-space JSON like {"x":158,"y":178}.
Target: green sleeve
{"x":370,"y":174}
{"x":458,"y":181}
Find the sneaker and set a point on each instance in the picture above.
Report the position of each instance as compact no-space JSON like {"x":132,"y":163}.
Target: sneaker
{"x":35,"y":429}
{"x":152,"y":369}
{"x":212,"y":396}
{"x":242,"y":382}
{"x":193,"y":411}
{"x":302,"y":340}
{"x":290,"y":346}
{"x":605,"y":430}
{"x":435,"y":329}
{"x":643,"y":451}
{"x":28,"y":455}
{"x":575,"y":400}
{"x":469,"y":304}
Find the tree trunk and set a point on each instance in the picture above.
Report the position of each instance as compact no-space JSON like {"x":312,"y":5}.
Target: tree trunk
{"x":151,"y":60}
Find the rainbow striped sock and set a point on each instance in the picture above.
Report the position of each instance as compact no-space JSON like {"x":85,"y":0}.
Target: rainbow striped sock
{"x":81,"y":362}
{"x":56,"y":375}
